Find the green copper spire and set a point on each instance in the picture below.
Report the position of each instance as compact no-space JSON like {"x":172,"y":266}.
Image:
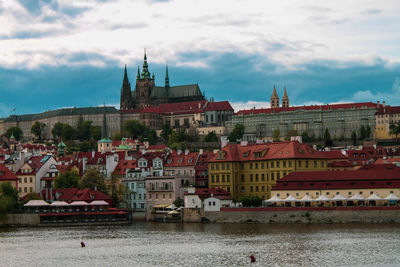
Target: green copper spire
{"x":138,"y":73}
{"x":166,"y":77}
{"x":145,"y":71}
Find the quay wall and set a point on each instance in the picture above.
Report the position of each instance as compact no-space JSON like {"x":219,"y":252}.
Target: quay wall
{"x":21,"y":219}
{"x":306,"y":215}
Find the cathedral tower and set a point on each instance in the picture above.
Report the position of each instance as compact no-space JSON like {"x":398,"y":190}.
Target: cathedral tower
{"x":144,"y":85}
{"x":126,"y":97}
{"x":285,"y":99}
{"x":274,"y":99}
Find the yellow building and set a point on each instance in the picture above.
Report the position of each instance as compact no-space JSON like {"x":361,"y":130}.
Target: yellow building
{"x":251,"y":170}
{"x":384,"y":118}
{"x":26,"y":179}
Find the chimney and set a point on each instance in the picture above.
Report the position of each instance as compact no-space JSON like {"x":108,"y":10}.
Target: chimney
{"x":243,"y":143}
{"x":93,"y":154}
{"x":199,"y":105}
{"x":179,"y":152}
{"x":200,"y":151}
{"x":383,"y":103}
{"x":186,"y":152}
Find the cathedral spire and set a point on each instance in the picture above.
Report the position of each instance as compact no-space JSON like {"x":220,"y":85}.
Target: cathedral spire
{"x":138,"y":73}
{"x":166,"y":77}
{"x":145,"y":71}
{"x":126,"y":97}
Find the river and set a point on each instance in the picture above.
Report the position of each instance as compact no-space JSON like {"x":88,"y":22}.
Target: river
{"x":158,"y":244}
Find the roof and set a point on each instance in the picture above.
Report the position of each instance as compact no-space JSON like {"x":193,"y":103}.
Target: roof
{"x":204,"y":193}
{"x":257,"y":152}
{"x":383,"y":177}
{"x":63,"y":112}
{"x":312,"y":107}
{"x":124,"y":165}
{"x":6,"y":174}
{"x":388,"y":110}
{"x":221,"y":105}
{"x":86,"y":194}
{"x":181,"y":160}
{"x":183,"y":107}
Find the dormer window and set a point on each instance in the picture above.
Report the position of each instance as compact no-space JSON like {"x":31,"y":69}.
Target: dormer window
{"x":190,"y":160}
{"x":169,"y":161}
{"x":180,"y":160}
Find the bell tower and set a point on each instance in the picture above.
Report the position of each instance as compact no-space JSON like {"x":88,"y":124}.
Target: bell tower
{"x":285,"y":99}
{"x":144,"y":85}
{"x":274,"y":99}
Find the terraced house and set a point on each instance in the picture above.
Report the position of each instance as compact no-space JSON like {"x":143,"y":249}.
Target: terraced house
{"x":251,"y":170}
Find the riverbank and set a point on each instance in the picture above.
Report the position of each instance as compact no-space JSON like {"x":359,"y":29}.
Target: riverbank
{"x":305,"y":215}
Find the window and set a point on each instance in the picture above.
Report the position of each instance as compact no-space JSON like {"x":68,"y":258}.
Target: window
{"x":228,"y":189}
{"x":272,"y":164}
{"x":256,"y":164}
{"x":251,"y":165}
{"x":241,"y":166}
{"x":262,"y":165}
{"x":228,"y":166}
{"x":242,"y":178}
{"x":30,"y":179}
{"x":25,"y":180}
{"x":217,"y":178}
{"x":242,"y":189}
{"x":209,"y":203}
{"x":256,"y":177}
{"x":322,"y":164}
{"x":251,"y":188}
{"x":278,"y":164}
{"x":349,"y":193}
{"x":360,"y":192}
{"x":217,"y":166}
{"x":306,"y":163}
{"x":213,"y":203}
{"x":228,"y":178}
{"x":284,"y":164}
{"x":223,"y":178}
{"x":212,"y":166}
{"x":272,"y":176}
{"x":263,"y":188}
{"x":299,"y":163}
{"x":262,"y":177}
{"x":222,"y":166}
{"x":290,"y":164}
{"x":256,"y":188}
{"x":327,"y":193}
{"x":315,"y":164}
{"x":251,"y":177}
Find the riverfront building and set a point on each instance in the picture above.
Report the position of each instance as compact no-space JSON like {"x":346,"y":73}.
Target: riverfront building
{"x":252,"y":170}
{"x":377,"y":180}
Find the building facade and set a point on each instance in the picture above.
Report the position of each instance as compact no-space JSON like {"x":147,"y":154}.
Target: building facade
{"x":251,"y":170}
{"x":385,"y":118}
{"x":340,"y":119}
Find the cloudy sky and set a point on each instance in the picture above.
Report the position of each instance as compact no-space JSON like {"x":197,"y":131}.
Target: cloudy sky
{"x":59,"y":53}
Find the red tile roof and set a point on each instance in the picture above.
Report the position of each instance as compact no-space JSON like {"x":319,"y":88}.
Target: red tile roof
{"x":388,"y":110}
{"x":124,"y":165}
{"x":183,"y":107}
{"x":86,"y":194}
{"x":6,"y":174}
{"x":313,"y":107}
{"x":221,"y":105}
{"x":182,"y":160}
{"x":277,"y":150}
{"x":204,"y":193}
{"x":369,"y":177}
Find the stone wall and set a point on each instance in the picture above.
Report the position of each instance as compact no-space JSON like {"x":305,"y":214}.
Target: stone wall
{"x":333,"y":215}
{"x":192,"y":215}
{"x":29,"y":219}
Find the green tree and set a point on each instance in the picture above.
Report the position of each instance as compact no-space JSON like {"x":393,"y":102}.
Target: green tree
{"x":92,"y":179}
{"x":8,"y":199}
{"x":57,"y":130}
{"x":31,"y":196}
{"x":251,"y":201}
{"x":150,"y":135}
{"x":291,"y":133}
{"x":16,"y":131}
{"x":354,"y":137}
{"x":179,"y":202}
{"x":68,"y":179}
{"x":67,"y":133}
{"x":177,"y":136}
{"x":327,"y":138}
{"x":363,"y":132}
{"x":37,"y":129}
{"x":368,"y":131}
{"x":166,"y":132}
{"x":117,"y":136}
{"x":191,"y":135}
{"x":211,"y":137}
{"x":395,"y":129}
{"x":95,"y":132}
{"x":237,"y":133}
{"x":134,"y":128}
{"x":276,"y":135}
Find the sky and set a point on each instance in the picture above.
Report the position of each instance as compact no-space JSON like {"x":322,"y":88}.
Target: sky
{"x":56,"y":54}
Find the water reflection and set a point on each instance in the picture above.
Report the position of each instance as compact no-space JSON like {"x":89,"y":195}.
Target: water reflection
{"x":157,"y":244}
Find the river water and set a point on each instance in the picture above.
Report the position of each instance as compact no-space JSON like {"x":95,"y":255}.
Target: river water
{"x":158,"y":244}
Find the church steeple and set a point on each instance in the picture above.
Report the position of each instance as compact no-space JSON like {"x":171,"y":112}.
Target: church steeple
{"x":126,"y":96}
{"x":166,"y":77}
{"x":274,"y":99}
{"x":285,"y":99}
{"x":138,"y":73}
{"x":145,"y":70}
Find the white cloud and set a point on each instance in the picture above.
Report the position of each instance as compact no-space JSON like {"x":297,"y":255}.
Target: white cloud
{"x":285,"y":32}
{"x":249,"y":105}
{"x":392,"y":97}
